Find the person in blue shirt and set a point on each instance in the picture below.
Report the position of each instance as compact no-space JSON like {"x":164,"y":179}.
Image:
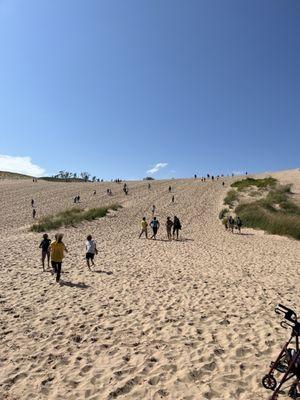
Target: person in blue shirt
{"x":155,"y":226}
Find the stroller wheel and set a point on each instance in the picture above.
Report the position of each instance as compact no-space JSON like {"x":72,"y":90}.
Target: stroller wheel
{"x":269,"y":382}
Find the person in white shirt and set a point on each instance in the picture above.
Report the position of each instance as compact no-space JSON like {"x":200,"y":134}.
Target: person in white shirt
{"x":91,"y":250}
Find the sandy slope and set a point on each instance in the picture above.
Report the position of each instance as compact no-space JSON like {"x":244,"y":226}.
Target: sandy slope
{"x":188,"y":320}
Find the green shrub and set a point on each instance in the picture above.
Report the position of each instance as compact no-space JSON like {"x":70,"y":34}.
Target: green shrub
{"x":230,"y":198}
{"x":280,"y":197}
{"x":71,"y":217}
{"x":254,"y":193}
{"x":285,"y":188}
{"x":254,"y":215}
{"x":259,"y":183}
{"x":276,"y":213}
{"x":223,"y":213}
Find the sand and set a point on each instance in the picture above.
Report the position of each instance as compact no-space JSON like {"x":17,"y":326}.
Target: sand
{"x":190,"y":319}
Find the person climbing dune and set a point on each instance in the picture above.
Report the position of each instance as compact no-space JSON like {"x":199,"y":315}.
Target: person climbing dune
{"x":57,"y":249}
{"x":169,"y":224}
{"x":176,"y":227}
{"x":155,"y":226}
{"x":144,"y":225}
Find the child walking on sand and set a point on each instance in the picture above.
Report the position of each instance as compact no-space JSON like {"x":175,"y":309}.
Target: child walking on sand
{"x":155,"y":226}
{"x":169,"y":225}
{"x":57,"y":249}
{"x":144,"y":225}
{"x":153,"y":210}
{"x":45,"y":246}
{"x":91,"y":250}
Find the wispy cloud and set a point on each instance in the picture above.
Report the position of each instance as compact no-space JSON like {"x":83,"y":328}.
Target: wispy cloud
{"x":156,"y":168}
{"x":21,"y":165}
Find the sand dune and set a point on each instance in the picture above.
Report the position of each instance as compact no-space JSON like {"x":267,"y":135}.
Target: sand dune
{"x":186,"y":320}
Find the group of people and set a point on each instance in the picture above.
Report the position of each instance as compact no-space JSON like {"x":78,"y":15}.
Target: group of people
{"x":125,"y":190}
{"x":54,"y":251}
{"x":230,"y":224}
{"x":155,"y":225}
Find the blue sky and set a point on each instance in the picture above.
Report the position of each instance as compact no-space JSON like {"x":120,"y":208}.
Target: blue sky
{"x":115,"y":87}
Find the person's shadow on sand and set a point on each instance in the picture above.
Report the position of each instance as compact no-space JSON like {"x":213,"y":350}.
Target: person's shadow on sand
{"x":79,"y":285}
{"x":173,"y":240}
{"x":99,"y":271}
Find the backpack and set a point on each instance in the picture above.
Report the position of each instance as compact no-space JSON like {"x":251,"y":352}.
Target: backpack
{"x":154,"y":223}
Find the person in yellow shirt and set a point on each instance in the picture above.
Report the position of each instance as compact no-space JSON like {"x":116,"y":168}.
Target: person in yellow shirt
{"x":144,"y":225}
{"x":57,"y":249}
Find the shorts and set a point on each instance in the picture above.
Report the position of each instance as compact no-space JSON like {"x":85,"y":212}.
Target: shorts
{"x":89,"y":256}
{"x":155,"y":230}
{"x":45,"y":253}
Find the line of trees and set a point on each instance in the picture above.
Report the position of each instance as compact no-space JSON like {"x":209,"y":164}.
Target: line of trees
{"x":68,"y":176}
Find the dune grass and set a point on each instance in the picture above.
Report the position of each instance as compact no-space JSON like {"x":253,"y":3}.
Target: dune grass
{"x":231,"y":197}
{"x":275,"y":222}
{"x":259,"y":183}
{"x":13,"y":175}
{"x":276,"y":214}
{"x":223,"y":213}
{"x":71,"y":217}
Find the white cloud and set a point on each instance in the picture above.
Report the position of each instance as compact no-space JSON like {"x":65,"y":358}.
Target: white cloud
{"x":238,"y":172}
{"x":156,"y":168}
{"x":21,"y":165}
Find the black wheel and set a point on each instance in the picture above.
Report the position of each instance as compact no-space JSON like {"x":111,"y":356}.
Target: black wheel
{"x":269,"y":382}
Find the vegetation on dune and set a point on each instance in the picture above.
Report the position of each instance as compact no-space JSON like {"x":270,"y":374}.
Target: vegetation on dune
{"x":257,"y":215}
{"x":13,"y":175}
{"x":254,"y":193}
{"x":259,"y":183}
{"x":71,"y":217}
{"x":276,"y":213}
{"x":223,"y":213}
{"x":231,"y":197}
